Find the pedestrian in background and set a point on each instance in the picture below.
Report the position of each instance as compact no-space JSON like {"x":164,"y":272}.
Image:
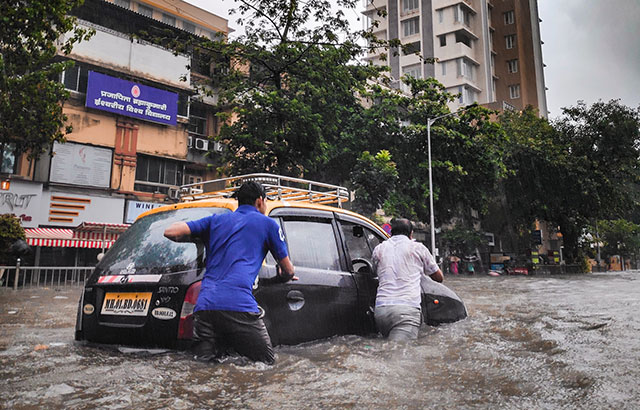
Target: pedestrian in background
{"x":453,"y":266}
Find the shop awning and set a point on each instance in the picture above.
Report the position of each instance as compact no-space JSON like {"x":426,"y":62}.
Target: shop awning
{"x":98,"y":231}
{"x":85,"y":235}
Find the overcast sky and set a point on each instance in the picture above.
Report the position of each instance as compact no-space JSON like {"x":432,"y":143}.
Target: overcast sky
{"x":591,"y":49}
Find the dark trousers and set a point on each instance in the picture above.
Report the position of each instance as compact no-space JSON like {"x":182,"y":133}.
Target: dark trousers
{"x":218,"y":332}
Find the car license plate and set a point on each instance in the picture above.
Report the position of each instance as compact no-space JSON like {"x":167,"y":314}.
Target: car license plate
{"x":126,"y":303}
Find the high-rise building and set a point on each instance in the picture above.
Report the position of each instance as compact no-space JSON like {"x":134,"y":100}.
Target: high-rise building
{"x":487,"y":51}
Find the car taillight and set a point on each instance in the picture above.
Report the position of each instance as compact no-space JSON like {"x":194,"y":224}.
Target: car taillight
{"x":185,"y":329}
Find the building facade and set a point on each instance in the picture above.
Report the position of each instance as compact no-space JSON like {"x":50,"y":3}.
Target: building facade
{"x":140,"y":130}
{"x":486,"y":51}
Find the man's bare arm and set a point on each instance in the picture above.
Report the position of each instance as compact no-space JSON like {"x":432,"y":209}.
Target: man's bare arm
{"x":286,"y":269}
{"x":437,"y":276}
{"x":178,"y":232}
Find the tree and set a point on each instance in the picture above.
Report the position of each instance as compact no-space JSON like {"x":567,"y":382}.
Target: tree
{"x":374,"y":178}
{"x":10,"y":232}
{"x":620,"y":237}
{"x":30,"y":96}
{"x":465,"y":162}
{"x":600,"y":178}
{"x":292,"y":89}
{"x":580,"y":168}
{"x":461,"y":240}
{"x":531,"y":162}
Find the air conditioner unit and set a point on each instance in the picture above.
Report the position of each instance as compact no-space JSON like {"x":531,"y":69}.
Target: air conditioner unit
{"x":217,"y":146}
{"x":189,"y":190}
{"x":189,"y":141}
{"x":174,"y":193}
{"x":202,"y":144}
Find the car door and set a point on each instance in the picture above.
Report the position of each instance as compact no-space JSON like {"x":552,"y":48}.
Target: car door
{"x":323,"y":302}
{"x":359,"y":239}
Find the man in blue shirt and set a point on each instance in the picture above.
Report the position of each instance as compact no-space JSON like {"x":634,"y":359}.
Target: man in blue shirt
{"x":226,"y":313}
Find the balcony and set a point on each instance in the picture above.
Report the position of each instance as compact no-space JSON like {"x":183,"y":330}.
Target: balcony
{"x":110,"y":49}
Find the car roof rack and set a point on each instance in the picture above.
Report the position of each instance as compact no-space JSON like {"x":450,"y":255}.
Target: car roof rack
{"x":279,"y":187}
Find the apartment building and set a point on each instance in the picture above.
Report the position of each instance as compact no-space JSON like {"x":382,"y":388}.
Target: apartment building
{"x":487,"y":51}
{"x":140,"y":130}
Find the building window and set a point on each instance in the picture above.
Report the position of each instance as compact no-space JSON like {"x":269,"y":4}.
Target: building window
{"x":409,"y":5}
{"x":443,"y":64}
{"x":155,"y":174}
{"x":183,"y":105}
{"x":509,"y":17}
{"x":411,"y":26}
{"x":514,"y":91}
{"x":510,"y":41}
{"x":145,"y":10}
{"x":75,"y":78}
{"x":191,"y":28}
{"x":465,"y":68}
{"x":461,"y":15}
{"x":462,"y":37}
{"x":198,"y":119}
{"x":8,"y":157}
{"x":467,"y":95}
{"x":440,"y":16}
{"x":411,"y":48}
{"x":122,"y":3}
{"x":443,"y":40}
{"x":512,"y":65}
{"x":414,"y":71}
{"x":167,"y":19}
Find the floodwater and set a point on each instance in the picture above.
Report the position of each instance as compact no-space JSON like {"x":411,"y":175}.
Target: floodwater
{"x":538,"y":342}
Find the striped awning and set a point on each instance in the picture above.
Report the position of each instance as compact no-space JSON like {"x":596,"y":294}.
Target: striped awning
{"x":58,"y":237}
{"x":97,"y":231}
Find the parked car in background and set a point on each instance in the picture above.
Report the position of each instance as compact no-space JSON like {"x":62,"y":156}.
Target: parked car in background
{"x":143,"y":291}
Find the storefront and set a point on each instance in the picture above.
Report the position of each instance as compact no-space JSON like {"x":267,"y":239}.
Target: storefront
{"x":56,"y":222}
{"x":79,"y":246}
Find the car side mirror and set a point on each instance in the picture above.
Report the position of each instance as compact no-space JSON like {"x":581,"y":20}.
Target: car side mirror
{"x":358,"y":231}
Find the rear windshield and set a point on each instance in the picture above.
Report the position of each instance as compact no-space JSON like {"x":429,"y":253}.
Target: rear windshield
{"x":143,"y":249}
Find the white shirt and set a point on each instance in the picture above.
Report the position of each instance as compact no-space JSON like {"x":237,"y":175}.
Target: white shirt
{"x":400,"y":264}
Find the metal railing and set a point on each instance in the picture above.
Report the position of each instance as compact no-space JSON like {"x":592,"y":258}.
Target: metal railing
{"x":43,"y":276}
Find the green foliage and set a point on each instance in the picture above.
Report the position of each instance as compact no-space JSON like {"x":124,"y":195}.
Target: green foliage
{"x":10,"y":231}
{"x":465,"y":162}
{"x":30,"y":96}
{"x":374,"y":178}
{"x":619,"y":237}
{"x":582,"y":167}
{"x":461,"y":240}
{"x":600,"y":177}
{"x":532,"y":161}
{"x":292,"y":87}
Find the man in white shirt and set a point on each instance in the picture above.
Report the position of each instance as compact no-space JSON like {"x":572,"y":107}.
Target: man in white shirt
{"x":400,"y":263}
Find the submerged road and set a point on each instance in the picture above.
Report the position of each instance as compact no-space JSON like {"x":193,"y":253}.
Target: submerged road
{"x":542,"y":342}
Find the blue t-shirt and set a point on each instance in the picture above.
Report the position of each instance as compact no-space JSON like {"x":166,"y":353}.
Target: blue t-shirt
{"x":237,"y":243}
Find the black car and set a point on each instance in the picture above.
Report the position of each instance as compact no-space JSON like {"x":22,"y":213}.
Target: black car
{"x":143,"y":292}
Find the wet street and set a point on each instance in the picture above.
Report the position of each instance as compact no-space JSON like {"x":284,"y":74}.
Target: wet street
{"x":540,"y":342}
